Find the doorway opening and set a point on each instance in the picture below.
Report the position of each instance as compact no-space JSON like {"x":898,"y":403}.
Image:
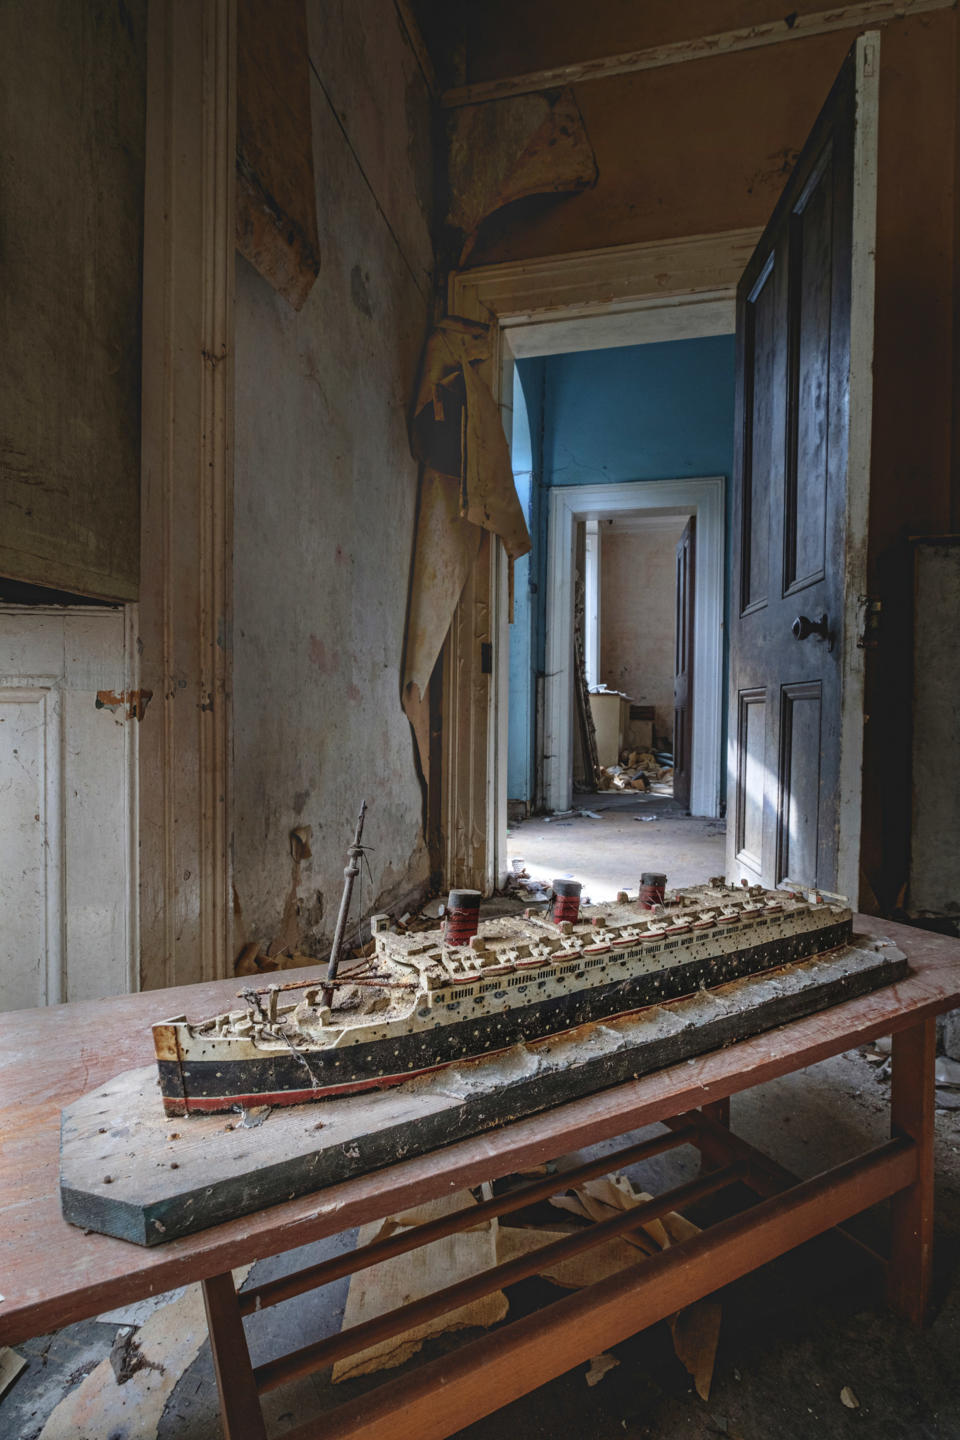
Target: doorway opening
{"x":633,"y":617}
{"x":616,"y":651}
{"x":647,"y":622}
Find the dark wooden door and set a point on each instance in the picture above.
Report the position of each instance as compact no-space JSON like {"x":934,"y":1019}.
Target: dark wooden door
{"x":683,"y":665}
{"x":793,"y":368}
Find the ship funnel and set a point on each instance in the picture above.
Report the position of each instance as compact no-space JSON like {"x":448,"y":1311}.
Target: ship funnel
{"x":463,"y":917}
{"x":566,"y":904}
{"x":652,"y":888}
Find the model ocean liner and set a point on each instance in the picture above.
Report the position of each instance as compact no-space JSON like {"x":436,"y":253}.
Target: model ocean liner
{"x":472,"y":988}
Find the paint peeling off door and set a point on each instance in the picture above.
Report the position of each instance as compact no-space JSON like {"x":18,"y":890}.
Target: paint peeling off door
{"x":67,"y":852}
{"x":804,"y":393}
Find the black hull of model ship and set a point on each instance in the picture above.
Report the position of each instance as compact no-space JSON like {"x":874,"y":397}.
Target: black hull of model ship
{"x":291,"y":1079}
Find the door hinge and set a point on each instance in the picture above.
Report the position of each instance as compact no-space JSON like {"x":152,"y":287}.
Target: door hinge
{"x":869,"y":613}
{"x":486,"y":657}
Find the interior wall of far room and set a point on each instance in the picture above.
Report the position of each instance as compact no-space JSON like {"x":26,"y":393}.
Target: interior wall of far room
{"x":638,"y":621}
{"x":640,"y":412}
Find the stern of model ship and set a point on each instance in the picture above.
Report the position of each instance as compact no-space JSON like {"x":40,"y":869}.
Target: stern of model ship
{"x":166,"y":1044}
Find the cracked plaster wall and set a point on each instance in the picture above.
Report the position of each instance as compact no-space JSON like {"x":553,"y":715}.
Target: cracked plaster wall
{"x":325,"y":493}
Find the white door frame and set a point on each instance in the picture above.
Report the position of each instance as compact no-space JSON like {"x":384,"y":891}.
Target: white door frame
{"x":186,"y":518}
{"x":703,"y":497}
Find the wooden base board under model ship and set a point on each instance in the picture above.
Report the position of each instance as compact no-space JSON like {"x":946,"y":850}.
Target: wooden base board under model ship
{"x":165,"y":1181}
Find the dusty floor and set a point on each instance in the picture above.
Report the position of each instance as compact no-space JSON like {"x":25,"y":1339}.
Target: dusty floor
{"x":634,"y":833}
{"x":793,"y":1336}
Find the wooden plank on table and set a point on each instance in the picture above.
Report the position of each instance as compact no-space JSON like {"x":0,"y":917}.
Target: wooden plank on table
{"x":447,"y":1394}
{"x":56,"y":1274}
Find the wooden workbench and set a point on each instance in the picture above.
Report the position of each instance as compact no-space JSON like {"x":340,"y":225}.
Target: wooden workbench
{"x":53,"y":1274}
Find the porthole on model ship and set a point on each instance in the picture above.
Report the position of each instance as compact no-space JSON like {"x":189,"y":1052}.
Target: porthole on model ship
{"x":473,"y":988}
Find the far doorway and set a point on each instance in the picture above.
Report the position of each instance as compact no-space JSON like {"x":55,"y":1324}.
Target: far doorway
{"x":651,"y":632}
{"x":636,"y":574}
{"x":615,"y":452}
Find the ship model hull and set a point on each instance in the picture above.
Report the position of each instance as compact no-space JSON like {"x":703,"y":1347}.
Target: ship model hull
{"x":203,"y":1070}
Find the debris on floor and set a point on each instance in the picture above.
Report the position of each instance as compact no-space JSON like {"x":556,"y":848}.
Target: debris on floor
{"x":520,"y":883}
{"x":251,"y":961}
{"x":11,"y":1364}
{"x":696,"y":1329}
{"x":409,"y":1277}
{"x":648,"y":771}
{"x":126,"y":1394}
{"x":137,"y":1313}
{"x":600,"y":1365}
{"x":947,"y":1072}
{"x":398,"y":1281}
{"x":126,"y":1356}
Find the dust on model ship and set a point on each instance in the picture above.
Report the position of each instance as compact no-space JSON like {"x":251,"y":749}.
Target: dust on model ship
{"x":468,"y":990}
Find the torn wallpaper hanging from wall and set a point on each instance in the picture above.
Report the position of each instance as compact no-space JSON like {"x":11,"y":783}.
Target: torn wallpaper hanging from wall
{"x":466,"y":487}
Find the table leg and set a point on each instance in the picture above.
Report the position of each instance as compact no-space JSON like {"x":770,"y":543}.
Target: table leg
{"x":713,"y":1156}
{"x":911,"y":1114}
{"x":239,"y":1401}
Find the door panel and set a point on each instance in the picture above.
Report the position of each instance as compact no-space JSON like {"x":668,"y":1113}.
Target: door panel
{"x":793,"y":367}
{"x":29,"y":848}
{"x":798,"y":814}
{"x":760,"y":360}
{"x":810,"y":329}
{"x":67,"y":806}
{"x":751,"y":776}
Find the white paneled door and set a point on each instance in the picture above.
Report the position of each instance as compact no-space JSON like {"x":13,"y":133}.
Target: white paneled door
{"x":68,"y":878}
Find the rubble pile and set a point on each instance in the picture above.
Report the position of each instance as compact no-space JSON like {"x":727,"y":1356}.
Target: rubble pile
{"x":644,"y":770}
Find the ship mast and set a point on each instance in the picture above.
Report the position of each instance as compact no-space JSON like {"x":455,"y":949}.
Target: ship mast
{"x":351,"y":871}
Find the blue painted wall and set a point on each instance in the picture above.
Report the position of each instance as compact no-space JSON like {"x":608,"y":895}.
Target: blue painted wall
{"x":645,"y":412}
{"x":641,"y":412}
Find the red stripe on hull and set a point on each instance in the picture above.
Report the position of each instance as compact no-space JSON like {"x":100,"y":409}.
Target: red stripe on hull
{"x":209,"y":1104}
